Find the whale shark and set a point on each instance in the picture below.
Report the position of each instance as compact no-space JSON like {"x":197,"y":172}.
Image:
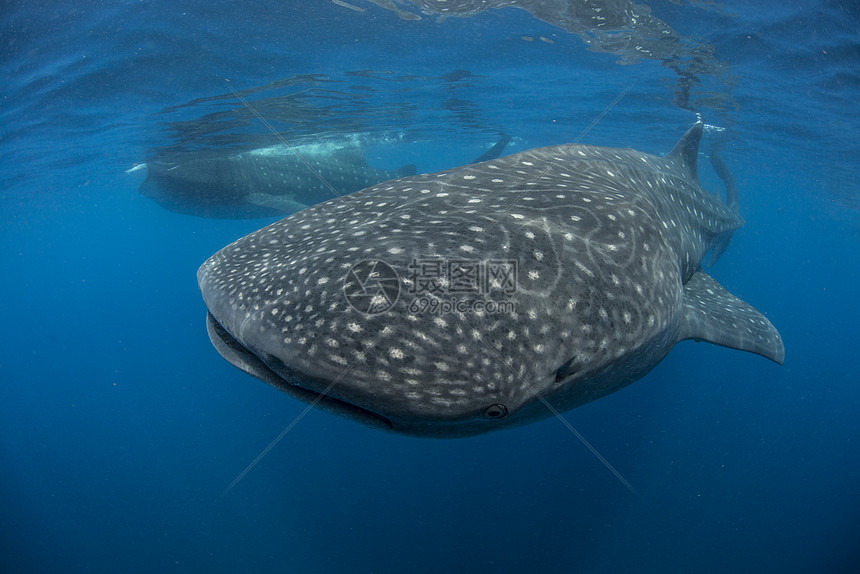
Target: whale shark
{"x":268,"y":181}
{"x":261,"y":182}
{"x":487,"y":296}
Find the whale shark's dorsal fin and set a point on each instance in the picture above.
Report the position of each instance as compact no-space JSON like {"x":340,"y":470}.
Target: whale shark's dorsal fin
{"x":713,"y":314}
{"x":686,"y":151}
{"x":496,"y":150}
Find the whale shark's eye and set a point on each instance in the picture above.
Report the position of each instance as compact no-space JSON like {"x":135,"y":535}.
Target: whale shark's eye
{"x":495,"y":412}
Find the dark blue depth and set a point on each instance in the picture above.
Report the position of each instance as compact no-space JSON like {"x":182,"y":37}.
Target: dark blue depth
{"x":120,"y":426}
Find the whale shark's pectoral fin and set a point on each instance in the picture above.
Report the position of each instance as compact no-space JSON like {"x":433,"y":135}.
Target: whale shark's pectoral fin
{"x":280,"y":203}
{"x":713,"y":314}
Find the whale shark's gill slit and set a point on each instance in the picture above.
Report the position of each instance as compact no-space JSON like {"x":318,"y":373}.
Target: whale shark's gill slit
{"x":307,"y":164}
{"x":563,"y":420}
{"x":566,"y":370}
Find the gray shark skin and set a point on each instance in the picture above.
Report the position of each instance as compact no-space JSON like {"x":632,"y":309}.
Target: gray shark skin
{"x":264,"y":182}
{"x":607,"y":245}
{"x":270,"y":181}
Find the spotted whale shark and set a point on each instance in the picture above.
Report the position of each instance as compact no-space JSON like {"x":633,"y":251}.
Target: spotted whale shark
{"x":484,"y":297}
{"x":261,"y":182}
{"x":268,"y":181}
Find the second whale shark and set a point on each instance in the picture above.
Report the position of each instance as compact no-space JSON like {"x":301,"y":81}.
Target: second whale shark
{"x":268,"y":181}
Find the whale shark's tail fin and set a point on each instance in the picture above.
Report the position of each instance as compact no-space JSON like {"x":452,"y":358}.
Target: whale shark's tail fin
{"x":732,"y":202}
{"x":723,"y":172}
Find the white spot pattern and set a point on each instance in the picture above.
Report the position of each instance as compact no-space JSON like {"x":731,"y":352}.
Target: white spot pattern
{"x":600,"y":270}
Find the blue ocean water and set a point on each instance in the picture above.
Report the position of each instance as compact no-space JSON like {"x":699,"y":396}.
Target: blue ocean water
{"x":120,"y":426}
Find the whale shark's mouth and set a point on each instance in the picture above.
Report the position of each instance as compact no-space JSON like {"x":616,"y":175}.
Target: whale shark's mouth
{"x":243,"y":358}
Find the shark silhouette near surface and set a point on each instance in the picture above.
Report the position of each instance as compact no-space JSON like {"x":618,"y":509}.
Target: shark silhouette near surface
{"x":461,"y":302}
{"x":269,"y":181}
{"x":265,"y":182}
